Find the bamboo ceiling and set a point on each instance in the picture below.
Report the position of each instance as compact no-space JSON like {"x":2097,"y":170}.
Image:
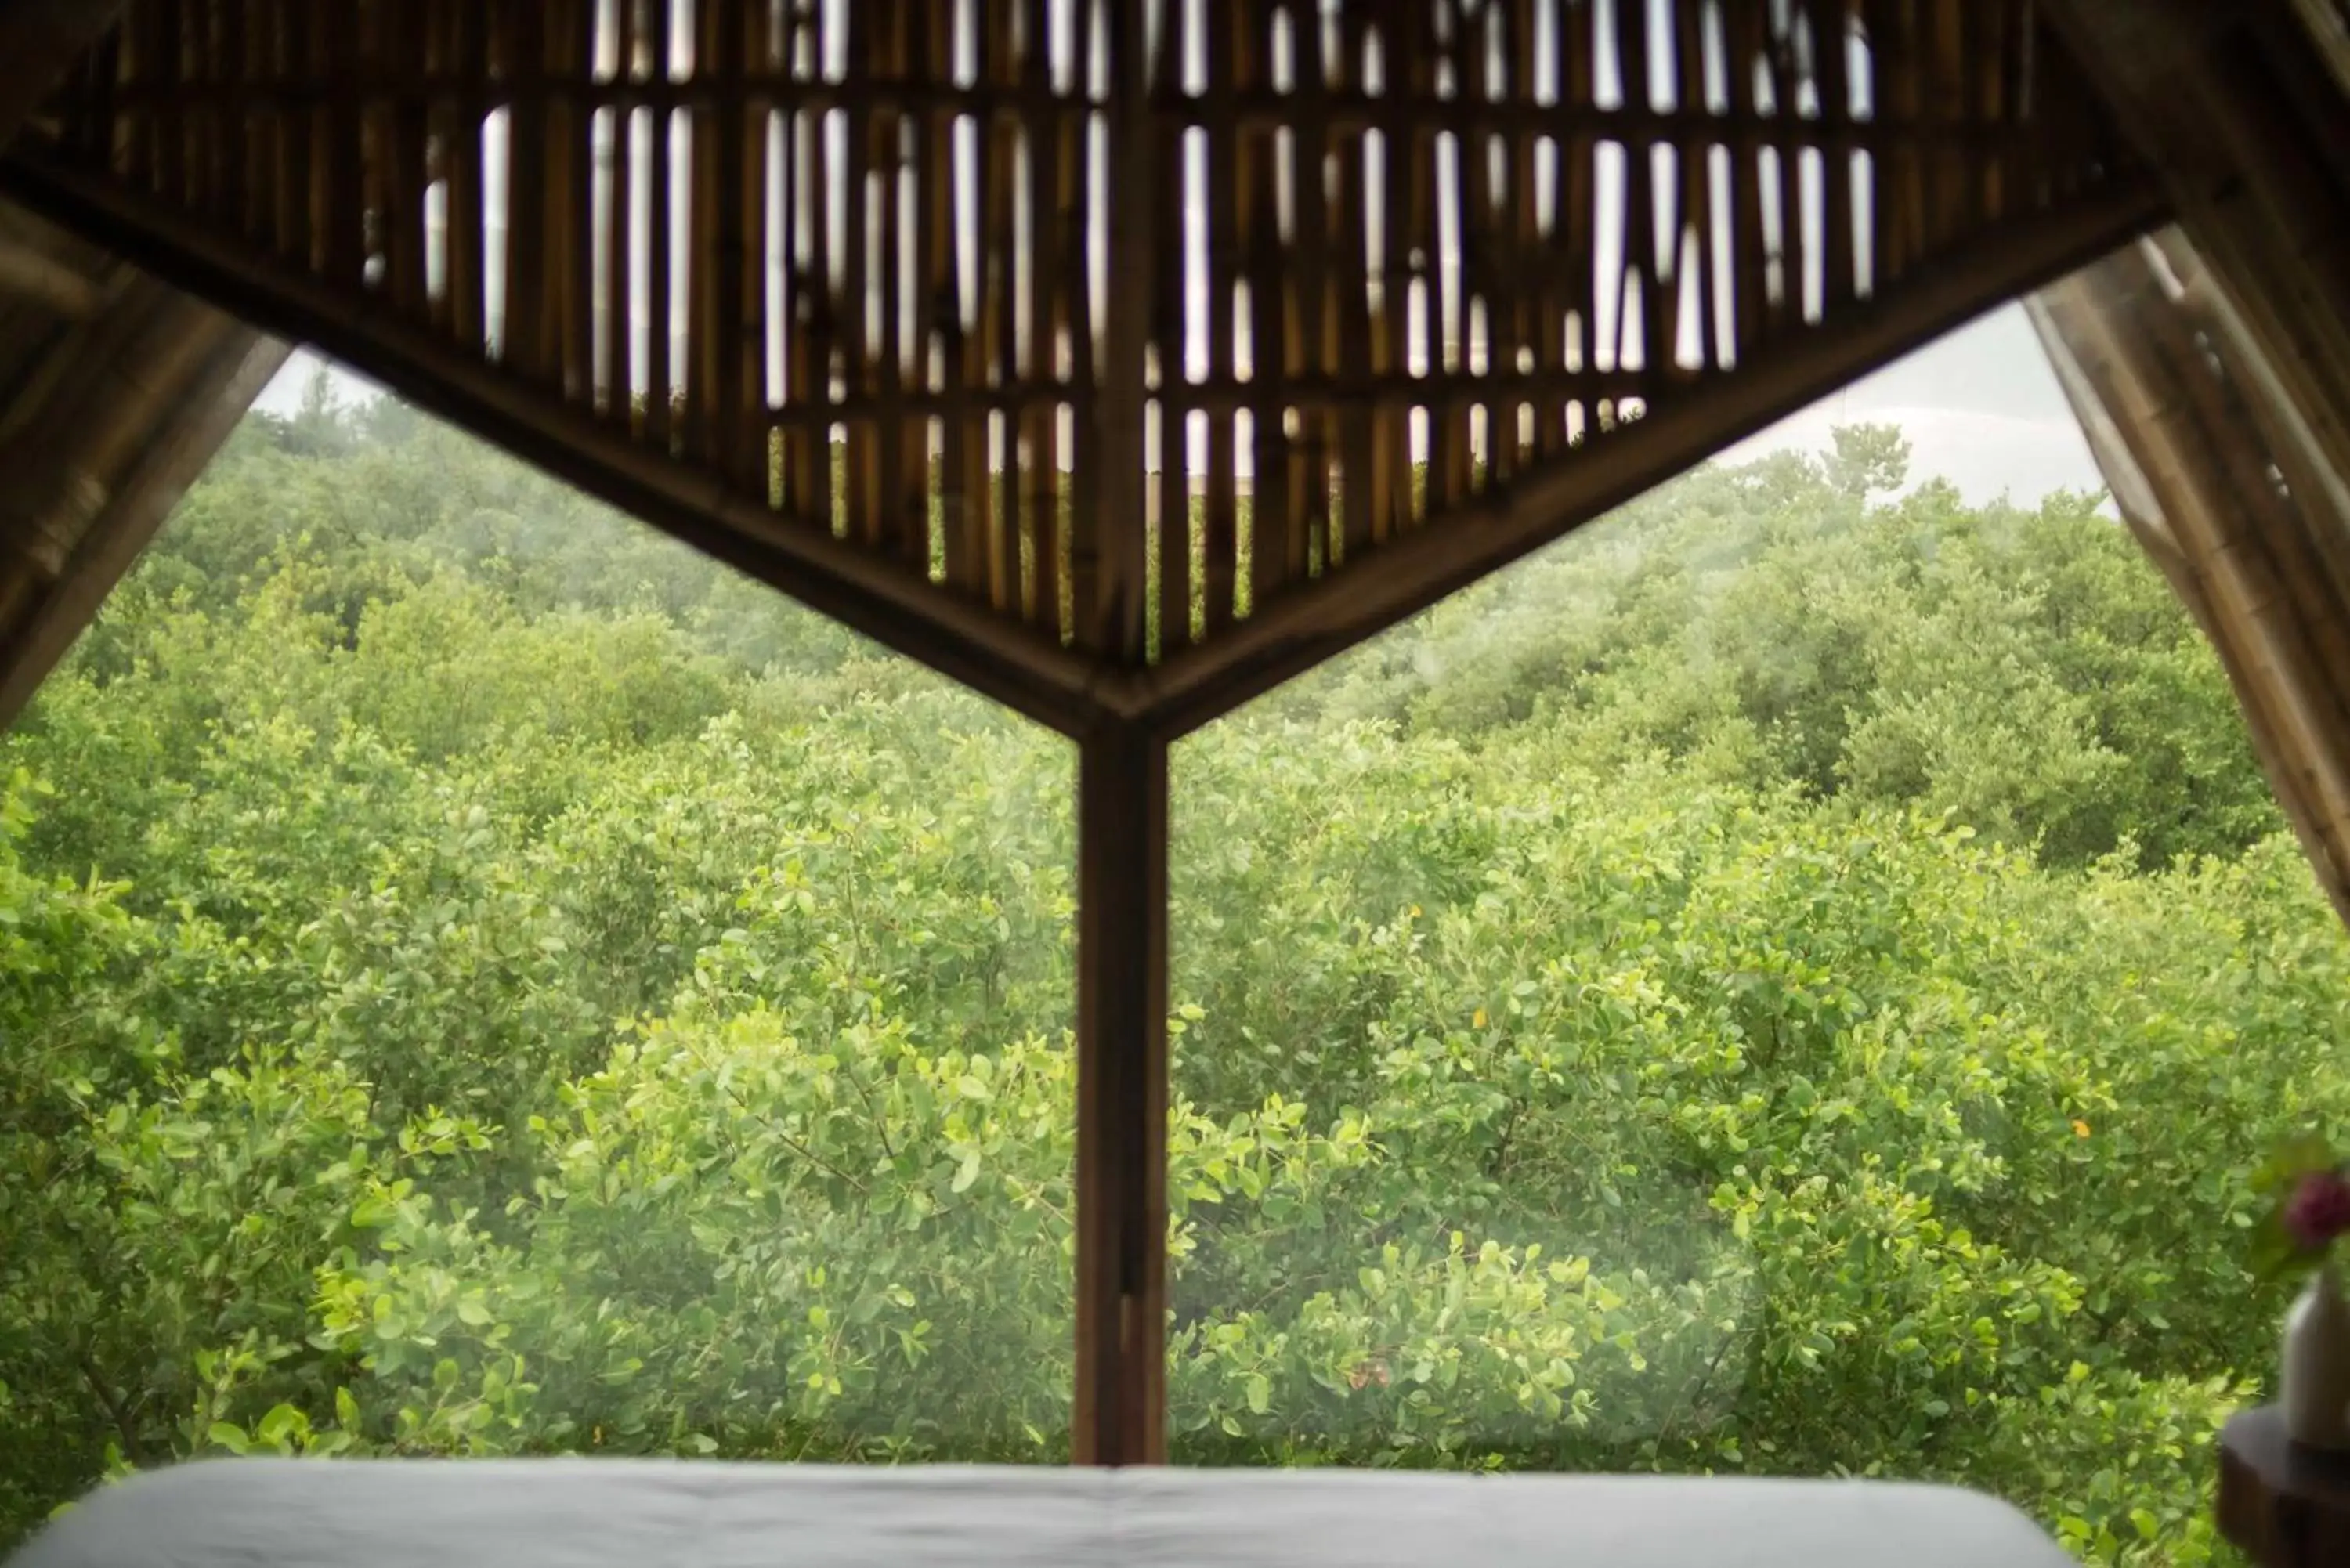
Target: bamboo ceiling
{"x":1115,"y":356}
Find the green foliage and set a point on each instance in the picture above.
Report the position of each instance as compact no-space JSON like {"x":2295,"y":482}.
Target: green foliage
{"x":2025,"y":671}
{"x":1791,"y":982}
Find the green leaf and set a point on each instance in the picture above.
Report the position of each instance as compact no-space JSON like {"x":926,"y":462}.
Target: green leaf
{"x":280,"y":1425}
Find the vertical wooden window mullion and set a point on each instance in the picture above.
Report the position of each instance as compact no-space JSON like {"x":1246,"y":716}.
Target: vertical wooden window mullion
{"x":1121,"y":1310}
{"x":1121,"y":1416}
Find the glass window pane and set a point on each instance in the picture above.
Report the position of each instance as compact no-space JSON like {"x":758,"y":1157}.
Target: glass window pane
{"x":486,"y":980}
{"x":1792,"y":980}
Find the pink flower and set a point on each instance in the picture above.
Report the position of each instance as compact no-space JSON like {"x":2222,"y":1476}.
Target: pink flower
{"x":2319,"y":1210}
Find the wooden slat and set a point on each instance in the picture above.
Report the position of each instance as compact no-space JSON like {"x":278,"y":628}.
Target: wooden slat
{"x":1641,"y":288}
{"x":660,"y":383}
{"x":1275,"y":530}
{"x":1120,"y":610}
{"x":162,"y":53}
{"x":1391,"y":479}
{"x":1838,"y":271}
{"x":1080,"y":544}
{"x":852,"y":316}
{"x":1308,"y":312}
{"x":1177,"y":584}
{"x":1529,"y":300}
{"x":1995,"y":29}
{"x":469,"y":45}
{"x":1358,"y":331}
{"x":938,"y":244}
{"x":1693,"y":287}
{"x":615,"y":363}
{"x":232,"y":64}
{"x":904,"y":440}
{"x":802,"y":444}
{"x":1909,"y":199}
{"x":1040,"y":477}
{"x":337,"y":187}
{"x":999,"y":151}
{"x":571,"y":190}
{"x":1747,"y":29}
{"x":1575,"y":239}
{"x":1219,"y":521}
{"x":1952,"y":70}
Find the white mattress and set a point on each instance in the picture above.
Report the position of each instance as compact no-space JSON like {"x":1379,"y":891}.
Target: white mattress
{"x":626,"y":1514}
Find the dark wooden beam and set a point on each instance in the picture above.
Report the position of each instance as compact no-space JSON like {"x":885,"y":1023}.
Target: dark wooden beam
{"x":1313,"y":623}
{"x":1121,"y":1178}
{"x":1022,"y":669}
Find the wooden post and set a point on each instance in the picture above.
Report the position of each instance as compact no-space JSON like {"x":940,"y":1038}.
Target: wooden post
{"x":1121,"y":1325}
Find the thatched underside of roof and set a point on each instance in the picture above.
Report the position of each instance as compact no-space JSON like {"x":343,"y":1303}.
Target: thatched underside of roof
{"x":115,"y":391}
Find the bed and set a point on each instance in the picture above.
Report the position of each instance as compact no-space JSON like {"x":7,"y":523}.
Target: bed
{"x":592,"y":1513}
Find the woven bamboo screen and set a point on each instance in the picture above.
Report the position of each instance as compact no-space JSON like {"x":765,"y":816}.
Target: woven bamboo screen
{"x":1121,"y":321}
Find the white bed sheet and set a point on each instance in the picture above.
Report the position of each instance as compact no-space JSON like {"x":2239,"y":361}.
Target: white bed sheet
{"x":625,"y":1513}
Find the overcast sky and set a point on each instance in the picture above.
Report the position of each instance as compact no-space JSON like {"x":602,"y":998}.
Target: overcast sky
{"x":1980,"y":407}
